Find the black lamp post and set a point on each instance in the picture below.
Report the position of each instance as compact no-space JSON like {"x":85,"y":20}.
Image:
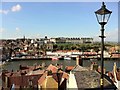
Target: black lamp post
{"x":58,"y":77}
{"x":103,"y":16}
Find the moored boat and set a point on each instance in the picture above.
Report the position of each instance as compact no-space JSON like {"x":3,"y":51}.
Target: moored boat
{"x":67,"y":58}
{"x":55,"y":58}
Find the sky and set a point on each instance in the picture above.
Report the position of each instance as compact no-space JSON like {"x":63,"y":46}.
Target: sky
{"x":55,"y":19}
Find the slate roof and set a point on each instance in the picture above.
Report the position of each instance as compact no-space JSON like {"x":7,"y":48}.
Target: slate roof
{"x":79,"y":68}
{"x":87,"y":78}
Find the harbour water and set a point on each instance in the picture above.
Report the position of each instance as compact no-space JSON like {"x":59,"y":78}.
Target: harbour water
{"x":14,"y":65}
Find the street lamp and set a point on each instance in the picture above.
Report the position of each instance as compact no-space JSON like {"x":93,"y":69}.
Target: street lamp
{"x":103,"y":16}
{"x":58,"y":77}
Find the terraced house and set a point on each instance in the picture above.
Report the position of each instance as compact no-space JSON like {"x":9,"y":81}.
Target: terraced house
{"x":35,"y":78}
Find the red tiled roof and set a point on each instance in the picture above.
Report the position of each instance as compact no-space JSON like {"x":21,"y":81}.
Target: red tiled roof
{"x":69,"y":67}
{"x":116,"y":55}
{"x":90,"y":53}
{"x":42,"y":78}
{"x":111,"y":75}
{"x":52,"y":68}
{"x":118,"y":76}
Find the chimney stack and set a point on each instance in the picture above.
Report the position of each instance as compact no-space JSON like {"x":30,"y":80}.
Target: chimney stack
{"x":79,"y":61}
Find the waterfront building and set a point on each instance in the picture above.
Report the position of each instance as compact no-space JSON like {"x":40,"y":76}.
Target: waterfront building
{"x":62,"y":40}
{"x":114,"y":49}
{"x":115,"y":55}
{"x":46,"y":43}
{"x":73,"y":40}
{"x":89,"y":55}
{"x":53,"y":40}
{"x":49,"y":46}
{"x":86,"y":40}
{"x":106,"y":54}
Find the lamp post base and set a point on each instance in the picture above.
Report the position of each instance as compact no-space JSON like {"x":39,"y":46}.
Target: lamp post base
{"x":101,"y":83}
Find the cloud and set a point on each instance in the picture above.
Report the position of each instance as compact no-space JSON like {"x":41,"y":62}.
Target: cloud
{"x":4,"y":11}
{"x":16,"y":8}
